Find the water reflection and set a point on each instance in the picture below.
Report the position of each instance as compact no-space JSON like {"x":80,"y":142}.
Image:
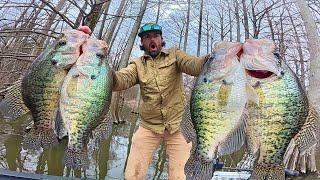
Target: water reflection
{"x":107,"y":161}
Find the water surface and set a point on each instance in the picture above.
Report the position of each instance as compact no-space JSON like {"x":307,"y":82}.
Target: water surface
{"x":108,"y":160}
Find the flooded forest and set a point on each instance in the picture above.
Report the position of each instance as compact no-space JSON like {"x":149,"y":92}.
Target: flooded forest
{"x":29,"y":27}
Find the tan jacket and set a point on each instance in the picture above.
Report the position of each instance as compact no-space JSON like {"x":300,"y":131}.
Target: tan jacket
{"x":161,"y":85}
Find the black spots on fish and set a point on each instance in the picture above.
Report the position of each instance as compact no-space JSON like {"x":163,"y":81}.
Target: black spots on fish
{"x":93,"y":77}
{"x":38,"y":138}
{"x":268,"y":171}
{"x":76,"y":159}
{"x":53,"y":62}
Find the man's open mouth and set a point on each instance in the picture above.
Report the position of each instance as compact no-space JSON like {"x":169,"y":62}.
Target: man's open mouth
{"x":153,"y":47}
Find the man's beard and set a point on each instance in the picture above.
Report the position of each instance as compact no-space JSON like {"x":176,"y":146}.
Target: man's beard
{"x":154,"y":54}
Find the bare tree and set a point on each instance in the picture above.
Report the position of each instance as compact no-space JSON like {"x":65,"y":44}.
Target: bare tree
{"x":200,"y":29}
{"x":115,"y":21}
{"x":187,"y":27}
{"x":125,"y":58}
{"x":314,"y":49}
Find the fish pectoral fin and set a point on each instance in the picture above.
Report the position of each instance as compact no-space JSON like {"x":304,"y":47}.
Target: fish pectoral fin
{"x":224,"y":94}
{"x":236,"y":137}
{"x":252,"y":95}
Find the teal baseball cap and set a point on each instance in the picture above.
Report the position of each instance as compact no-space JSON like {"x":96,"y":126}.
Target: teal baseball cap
{"x":150,"y":27}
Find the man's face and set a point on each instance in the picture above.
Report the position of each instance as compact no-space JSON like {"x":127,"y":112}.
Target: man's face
{"x":152,"y":43}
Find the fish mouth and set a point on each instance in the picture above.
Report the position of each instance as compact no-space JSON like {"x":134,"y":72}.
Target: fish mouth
{"x":81,"y":49}
{"x":260,"y":74}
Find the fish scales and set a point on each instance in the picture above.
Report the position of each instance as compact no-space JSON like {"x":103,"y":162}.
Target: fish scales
{"x":41,"y":86}
{"x":217,"y":103}
{"x":283,"y":114}
{"x":278,"y":116}
{"x":85,"y":99}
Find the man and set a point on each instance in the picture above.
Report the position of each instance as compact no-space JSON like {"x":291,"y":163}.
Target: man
{"x":159,"y":74}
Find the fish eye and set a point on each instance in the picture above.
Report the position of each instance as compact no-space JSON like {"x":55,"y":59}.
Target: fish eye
{"x":99,"y":55}
{"x":62,"y":43}
{"x":277,"y":54}
{"x":205,"y":80}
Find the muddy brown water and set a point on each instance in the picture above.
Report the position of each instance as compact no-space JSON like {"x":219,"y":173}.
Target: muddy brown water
{"x":106,"y":161}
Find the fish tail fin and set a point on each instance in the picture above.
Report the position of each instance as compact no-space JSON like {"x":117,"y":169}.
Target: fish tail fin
{"x":32,"y":140}
{"x":76,"y":158}
{"x":186,"y":126}
{"x":39,"y":137}
{"x":48,"y":138}
{"x":268,"y":172}
{"x":12,"y":106}
{"x":300,"y":153}
{"x":195,"y":168}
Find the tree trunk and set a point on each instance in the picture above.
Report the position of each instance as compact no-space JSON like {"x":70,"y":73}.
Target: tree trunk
{"x":200,"y":29}
{"x":269,"y":18}
{"x":81,"y":14}
{"x":254,"y":21}
{"x":230,"y":21}
{"x":245,"y":19}
{"x":104,"y":18}
{"x":93,"y":17}
{"x":314,"y":49}
{"x":158,"y":11}
{"x":115,"y":21}
{"x":47,"y":27}
{"x":125,"y":58}
{"x":115,"y":34}
{"x":238,"y":21}
{"x":187,"y":27}
{"x":301,"y":65}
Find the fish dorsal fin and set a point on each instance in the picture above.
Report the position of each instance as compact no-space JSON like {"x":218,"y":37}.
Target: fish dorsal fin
{"x":236,"y":137}
{"x":252,"y":94}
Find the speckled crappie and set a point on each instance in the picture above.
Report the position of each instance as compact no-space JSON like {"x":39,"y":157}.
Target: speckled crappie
{"x":280,"y":113}
{"x":41,"y":85}
{"x":85,"y":99}
{"x":217,"y":105}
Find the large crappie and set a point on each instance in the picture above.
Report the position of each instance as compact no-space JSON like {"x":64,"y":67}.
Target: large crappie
{"x":41,"y":85}
{"x":280,"y":113}
{"x":85,"y":98}
{"x":217,"y":106}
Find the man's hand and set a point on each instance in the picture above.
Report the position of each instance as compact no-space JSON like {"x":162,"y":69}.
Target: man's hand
{"x":85,"y":29}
